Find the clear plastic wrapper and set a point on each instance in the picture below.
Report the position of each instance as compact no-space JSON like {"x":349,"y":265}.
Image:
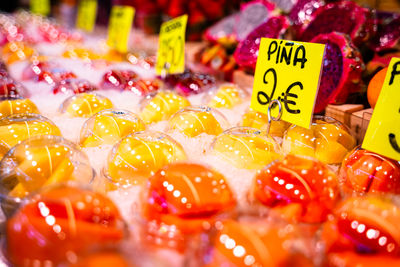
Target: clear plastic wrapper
{"x":245,"y":148}
{"x":16,"y":105}
{"x":47,"y":71}
{"x":85,"y":105}
{"x":38,"y":162}
{"x":74,"y":86}
{"x":195,"y":120}
{"x":138,"y":156}
{"x":298,"y":188}
{"x":16,"y":51}
{"x":162,"y":106}
{"x":327,"y":140}
{"x":189,"y":82}
{"x":11,"y":88}
{"x":226,"y":96}
{"x":59,"y":223}
{"x":109,"y":126}
{"x":16,"y":128}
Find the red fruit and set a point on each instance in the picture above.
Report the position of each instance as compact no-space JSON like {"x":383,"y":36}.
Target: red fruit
{"x":10,"y":88}
{"x":187,"y":196}
{"x":366,"y":225}
{"x":301,"y":14}
{"x":59,"y":223}
{"x":342,"y":69}
{"x":246,"y":52}
{"x":360,"y":23}
{"x":118,"y":79}
{"x":300,"y":186}
{"x":388,"y":36}
{"x":75,"y":86}
{"x":365,"y":171}
{"x":47,"y":72}
{"x":143,"y":86}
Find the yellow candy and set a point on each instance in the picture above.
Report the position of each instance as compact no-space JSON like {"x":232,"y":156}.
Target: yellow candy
{"x":227,"y":96}
{"x":85,"y":105}
{"x":108,"y":127}
{"x":80,"y":53}
{"x":162,"y":106}
{"x":193,"y":121}
{"x":328,"y":142}
{"x":138,"y":156}
{"x":259,"y":121}
{"x":17,"y":106}
{"x":18,"y":128}
{"x":246,"y":148}
{"x":16,"y":51}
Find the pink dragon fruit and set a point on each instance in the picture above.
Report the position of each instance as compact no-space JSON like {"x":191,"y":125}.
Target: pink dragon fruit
{"x":224,"y":29}
{"x":358,"y":22}
{"x":379,"y":62}
{"x":247,"y":51}
{"x":388,"y":36}
{"x":301,"y":14}
{"x":342,"y":69}
{"x":252,"y":15}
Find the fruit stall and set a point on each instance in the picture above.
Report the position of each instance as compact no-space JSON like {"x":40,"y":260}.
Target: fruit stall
{"x":200,"y":133}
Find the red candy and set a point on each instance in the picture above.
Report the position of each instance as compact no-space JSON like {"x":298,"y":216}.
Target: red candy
{"x":47,"y":72}
{"x":365,"y":171}
{"x":303,"y":189}
{"x":75,"y":86}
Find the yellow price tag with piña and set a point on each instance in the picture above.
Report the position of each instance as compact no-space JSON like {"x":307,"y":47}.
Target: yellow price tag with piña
{"x":383,"y":133}
{"x":86,"y":17}
{"x":171,"y":46}
{"x":40,"y":7}
{"x":119,"y":27}
{"x":288,"y":71}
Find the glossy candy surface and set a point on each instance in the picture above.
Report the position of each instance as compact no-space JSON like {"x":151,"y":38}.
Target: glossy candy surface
{"x":259,"y":121}
{"x":138,"y":156}
{"x":16,"y":105}
{"x":74,"y":86}
{"x":227,"y":96}
{"x":59,"y":223}
{"x":196,"y":120}
{"x":109,"y":126}
{"x":85,"y":105}
{"x":16,"y":128}
{"x":41,"y":161}
{"x":162,"y":106}
{"x":303,"y":189}
{"x":245,"y":148}
{"x":327,"y":140}
{"x":365,"y":171}
{"x":186,"y":195}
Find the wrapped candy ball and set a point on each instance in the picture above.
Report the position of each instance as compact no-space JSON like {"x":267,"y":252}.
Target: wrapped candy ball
{"x":41,"y":161}
{"x":16,"y":105}
{"x":11,"y":88}
{"x":162,"y":106}
{"x":108,"y":127}
{"x":183,"y":198}
{"x":249,"y":243}
{"x":16,"y":128}
{"x":327,"y":140}
{"x":363,"y":232}
{"x":365,"y":171}
{"x":74,"y":86}
{"x":80,"y":53}
{"x":118,"y":79}
{"x":85,"y":105}
{"x":144,"y":86}
{"x":59,"y":223}
{"x":259,"y":121}
{"x":16,"y":51}
{"x":49,"y":72}
{"x":138,"y":156}
{"x":195,"y":120}
{"x":245,"y":148}
{"x":299,"y":188}
{"x":227,"y":96}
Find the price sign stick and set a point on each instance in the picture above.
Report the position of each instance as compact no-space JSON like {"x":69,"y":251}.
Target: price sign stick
{"x":165,"y":70}
{"x":269,"y":113}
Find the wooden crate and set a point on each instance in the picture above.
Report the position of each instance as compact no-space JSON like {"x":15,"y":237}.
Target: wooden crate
{"x":343,"y":113}
{"x":359,"y":123}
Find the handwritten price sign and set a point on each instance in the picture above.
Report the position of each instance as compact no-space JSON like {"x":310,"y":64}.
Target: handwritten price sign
{"x":41,"y":7}
{"x":383,"y":133}
{"x":119,"y":27}
{"x":86,"y":17}
{"x":289,"y":72}
{"x":171,"y":47}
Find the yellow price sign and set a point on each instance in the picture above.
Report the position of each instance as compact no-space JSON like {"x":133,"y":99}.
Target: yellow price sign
{"x":383,"y":133}
{"x":119,"y":27}
{"x":86,"y":17}
{"x":289,"y":72}
{"x":40,"y":7}
{"x":171,"y":46}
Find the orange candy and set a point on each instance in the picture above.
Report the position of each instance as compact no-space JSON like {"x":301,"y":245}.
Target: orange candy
{"x":375,"y":86}
{"x":365,"y":171}
{"x":186,"y":195}
{"x":301,"y":188}
{"x":57,"y":224}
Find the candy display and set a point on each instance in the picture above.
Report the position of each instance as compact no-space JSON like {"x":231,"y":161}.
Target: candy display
{"x":327,"y":140}
{"x":106,"y":162}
